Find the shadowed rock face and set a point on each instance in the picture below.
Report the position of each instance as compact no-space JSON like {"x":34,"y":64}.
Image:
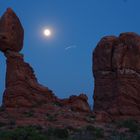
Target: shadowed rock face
{"x":11,"y":32}
{"x":116,"y":69}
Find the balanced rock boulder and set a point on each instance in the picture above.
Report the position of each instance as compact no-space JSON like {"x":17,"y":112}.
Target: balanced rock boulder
{"x":116,"y":69}
{"x":11,"y":32}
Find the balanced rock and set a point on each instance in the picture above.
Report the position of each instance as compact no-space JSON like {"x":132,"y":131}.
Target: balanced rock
{"x":116,"y":69}
{"x":22,"y":87}
{"x":11,"y":32}
{"x":26,"y":101}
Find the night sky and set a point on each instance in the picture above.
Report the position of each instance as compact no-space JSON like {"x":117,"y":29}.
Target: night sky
{"x":63,"y":61}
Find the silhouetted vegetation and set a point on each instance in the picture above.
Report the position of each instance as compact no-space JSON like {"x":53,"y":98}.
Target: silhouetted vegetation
{"x":2,"y":124}
{"x":97,"y":132}
{"x":124,"y":136}
{"x":59,"y":133}
{"x":88,"y":133}
{"x":2,"y":109}
{"x":22,"y":133}
{"x":132,"y":125}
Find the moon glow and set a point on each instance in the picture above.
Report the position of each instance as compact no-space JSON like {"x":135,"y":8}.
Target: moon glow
{"x":47,"y":32}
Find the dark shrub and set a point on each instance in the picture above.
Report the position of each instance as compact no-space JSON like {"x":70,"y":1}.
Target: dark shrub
{"x":97,"y":132}
{"x":2,"y":124}
{"x":132,"y":125}
{"x":61,"y":133}
{"x":57,"y":132}
{"x":22,"y":133}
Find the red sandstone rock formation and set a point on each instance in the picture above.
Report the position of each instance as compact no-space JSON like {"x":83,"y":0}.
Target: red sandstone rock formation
{"x":22,"y":88}
{"x":11,"y":32}
{"x":116,"y":69}
{"x":77,"y":103}
{"x":26,"y":101}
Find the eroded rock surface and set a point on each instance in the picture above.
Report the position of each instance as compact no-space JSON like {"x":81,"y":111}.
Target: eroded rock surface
{"x":22,"y":88}
{"x":11,"y":32}
{"x":116,"y":69}
{"x":77,"y":103}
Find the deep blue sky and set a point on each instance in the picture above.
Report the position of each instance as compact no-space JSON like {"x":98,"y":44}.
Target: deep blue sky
{"x":78,"y":23}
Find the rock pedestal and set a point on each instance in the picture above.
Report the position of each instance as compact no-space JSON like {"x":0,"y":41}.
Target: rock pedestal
{"x":22,"y":88}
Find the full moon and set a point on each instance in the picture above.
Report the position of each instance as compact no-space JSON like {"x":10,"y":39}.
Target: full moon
{"x":47,"y":32}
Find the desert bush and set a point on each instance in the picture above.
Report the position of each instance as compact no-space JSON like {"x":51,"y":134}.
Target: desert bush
{"x":22,"y":133}
{"x":131,"y":124}
{"x":61,"y":133}
{"x":6,"y":135}
{"x":124,"y":136}
{"x":136,"y":137}
{"x":2,"y":109}
{"x":58,"y":133}
{"x":97,"y":132}
{"x":118,"y":137}
{"x":2,"y":124}
{"x":12,"y":122}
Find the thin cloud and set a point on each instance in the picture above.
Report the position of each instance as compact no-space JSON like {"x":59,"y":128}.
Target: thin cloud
{"x":70,"y":47}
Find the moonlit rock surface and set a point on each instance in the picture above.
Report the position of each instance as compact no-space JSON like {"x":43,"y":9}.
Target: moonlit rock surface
{"x":11,"y":32}
{"x":116,"y":69}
